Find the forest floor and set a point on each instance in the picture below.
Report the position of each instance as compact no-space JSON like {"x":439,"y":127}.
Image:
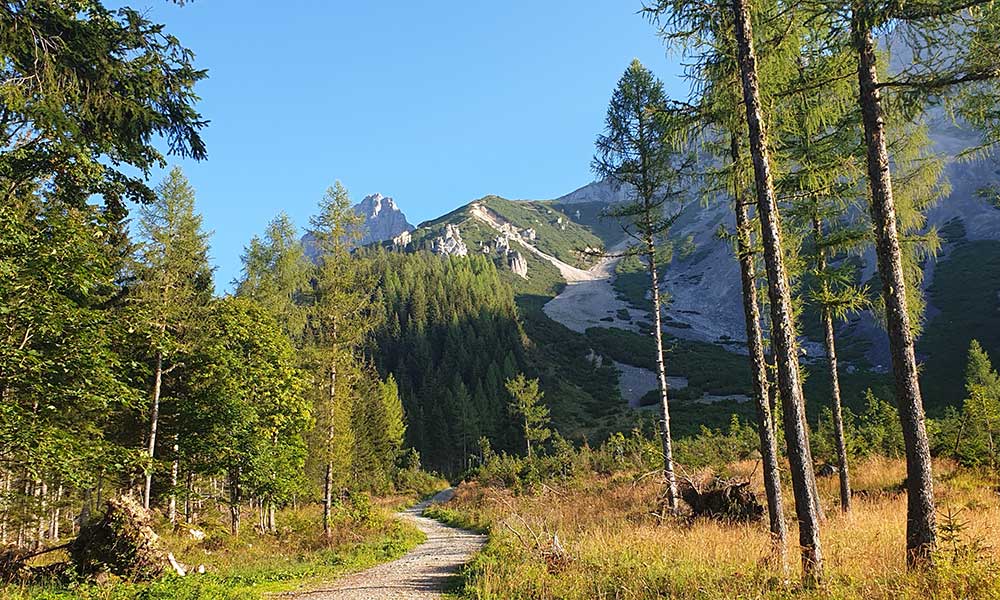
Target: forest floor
{"x":425,"y":572}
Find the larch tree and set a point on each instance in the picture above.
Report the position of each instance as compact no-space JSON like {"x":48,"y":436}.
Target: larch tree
{"x":276,"y":274}
{"x":821,"y":185}
{"x":173,"y":287}
{"x":638,"y":152}
{"x":720,"y":129}
{"x":948,"y":56}
{"x":685,"y":22}
{"x":341,"y":317}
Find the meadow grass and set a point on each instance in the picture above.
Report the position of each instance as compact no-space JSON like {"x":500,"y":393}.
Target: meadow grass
{"x":614,"y":545}
{"x":253,"y":564}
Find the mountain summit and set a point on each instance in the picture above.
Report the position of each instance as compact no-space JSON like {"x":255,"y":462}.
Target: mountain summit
{"x":383,"y":219}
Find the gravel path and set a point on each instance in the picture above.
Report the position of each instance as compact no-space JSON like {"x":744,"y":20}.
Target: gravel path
{"x":422,"y":573}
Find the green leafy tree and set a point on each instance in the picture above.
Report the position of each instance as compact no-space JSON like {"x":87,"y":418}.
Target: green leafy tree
{"x":61,"y":381}
{"x":638,"y":152}
{"x":250,"y":411}
{"x":526,"y":403}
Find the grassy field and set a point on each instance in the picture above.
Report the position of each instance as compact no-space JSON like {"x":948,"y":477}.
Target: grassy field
{"x":615,"y":546}
{"x":253,"y":565}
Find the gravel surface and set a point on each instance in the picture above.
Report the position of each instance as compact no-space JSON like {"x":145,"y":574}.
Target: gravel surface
{"x":422,"y":573}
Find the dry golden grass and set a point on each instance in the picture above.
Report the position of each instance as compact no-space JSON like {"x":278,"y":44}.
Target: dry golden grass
{"x":618,"y":548}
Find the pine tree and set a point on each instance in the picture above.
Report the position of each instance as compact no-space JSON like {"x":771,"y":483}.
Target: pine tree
{"x":638,"y":152}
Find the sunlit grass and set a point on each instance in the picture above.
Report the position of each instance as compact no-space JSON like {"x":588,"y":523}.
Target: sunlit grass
{"x":618,"y":547}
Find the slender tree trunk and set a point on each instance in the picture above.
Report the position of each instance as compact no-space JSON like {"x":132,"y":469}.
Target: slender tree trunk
{"x":661,"y":376}
{"x":154,"y":417}
{"x":272,"y":524}
{"x":234,"y":504}
{"x":54,"y":524}
{"x":920,"y":526}
{"x":527,"y":436}
{"x":783,"y":329}
{"x":188,"y":491}
{"x":758,"y":368}
{"x":838,"y":417}
{"x":172,"y":507}
{"x":831,"y":357}
{"x":328,"y":477}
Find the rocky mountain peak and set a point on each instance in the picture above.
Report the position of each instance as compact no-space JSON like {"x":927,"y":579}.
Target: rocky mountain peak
{"x":383,"y":219}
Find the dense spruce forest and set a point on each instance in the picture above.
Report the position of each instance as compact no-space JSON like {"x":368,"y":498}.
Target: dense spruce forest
{"x":270,"y":429}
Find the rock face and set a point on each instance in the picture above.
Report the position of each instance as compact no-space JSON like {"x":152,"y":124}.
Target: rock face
{"x":383,"y":219}
{"x":450,"y":243}
{"x":508,"y":257}
{"x":517,"y":263}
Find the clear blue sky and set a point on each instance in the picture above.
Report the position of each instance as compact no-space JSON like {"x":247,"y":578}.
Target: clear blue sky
{"x":433,"y":103}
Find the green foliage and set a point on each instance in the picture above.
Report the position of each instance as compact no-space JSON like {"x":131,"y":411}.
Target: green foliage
{"x":94,"y":86}
{"x":450,"y":336}
{"x":526,"y":404}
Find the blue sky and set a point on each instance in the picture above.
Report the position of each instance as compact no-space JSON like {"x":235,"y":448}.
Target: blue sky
{"x":433,"y":103}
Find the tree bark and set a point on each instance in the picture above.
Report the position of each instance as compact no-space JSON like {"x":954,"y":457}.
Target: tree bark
{"x":758,"y":368}
{"x":328,"y":476}
{"x":920,"y":525}
{"x":831,"y":358}
{"x":234,"y":502}
{"x":661,"y":376}
{"x":172,"y":507}
{"x":838,"y":417}
{"x":154,"y":417}
{"x":783,"y":329}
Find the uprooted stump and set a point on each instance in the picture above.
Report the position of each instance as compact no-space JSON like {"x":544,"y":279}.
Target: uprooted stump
{"x":122,"y":543}
{"x":721,"y":500}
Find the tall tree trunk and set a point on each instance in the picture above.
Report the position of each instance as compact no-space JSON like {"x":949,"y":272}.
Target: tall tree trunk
{"x":920,"y":526}
{"x":54,"y":523}
{"x":661,"y":376}
{"x":758,"y":368}
{"x":154,"y":417}
{"x":527,"y":436}
{"x":188,"y":491}
{"x":783,"y":329}
{"x":272,"y":524}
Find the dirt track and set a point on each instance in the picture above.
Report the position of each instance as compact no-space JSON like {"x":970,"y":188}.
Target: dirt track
{"x":422,"y":573}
